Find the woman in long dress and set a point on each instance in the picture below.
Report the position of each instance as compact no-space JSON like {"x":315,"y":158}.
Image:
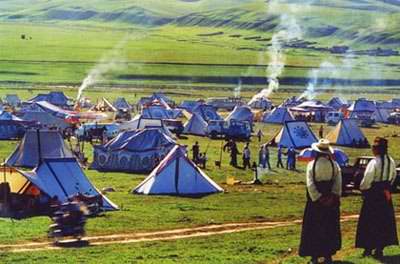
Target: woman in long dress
{"x":377,"y":223}
{"x":321,"y":236}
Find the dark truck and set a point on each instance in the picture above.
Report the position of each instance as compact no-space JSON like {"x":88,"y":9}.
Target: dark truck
{"x":353,"y":174}
{"x":232,"y":129}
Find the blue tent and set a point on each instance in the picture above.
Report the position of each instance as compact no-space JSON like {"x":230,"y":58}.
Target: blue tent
{"x":160,"y":112}
{"x":11,"y":127}
{"x":337,"y":103}
{"x":133,"y":151}
{"x":64,"y":178}
{"x":279,"y":115}
{"x":346,"y":133}
{"x":55,"y":98}
{"x":37,"y":145}
{"x":122,"y":104}
{"x":189,"y":105}
{"x":177,"y":175}
{"x":207,"y":112}
{"x":45,"y":119}
{"x":241,"y":113}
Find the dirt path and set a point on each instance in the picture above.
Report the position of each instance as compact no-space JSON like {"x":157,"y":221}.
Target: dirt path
{"x":173,"y":234}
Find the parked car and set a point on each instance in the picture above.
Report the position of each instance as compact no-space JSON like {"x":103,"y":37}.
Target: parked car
{"x":229,"y":129}
{"x":394,"y":118}
{"x":95,"y":131}
{"x":352,"y":175}
{"x":174,"y":125}
{"x":334,"y":117}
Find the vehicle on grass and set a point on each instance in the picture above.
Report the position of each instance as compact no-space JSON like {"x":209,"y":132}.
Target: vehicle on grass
{"x":174,"y":125}
{"x":394,"y":118}
{"x":123,"y":115}
{"x":352,"y":175}
{"x":332,"y":118}
{"x":232,"y":129}
{"x":92,"y":131}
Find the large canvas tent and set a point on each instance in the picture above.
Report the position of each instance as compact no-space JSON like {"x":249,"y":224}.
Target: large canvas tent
{"x":140,"y":123}
{"x":296,"y":134}
{"x":381,"y":115}
{"x":195,"y":126}
{"x":55,"y":98}
{"x":362,"y":108}
{"x":45,"y":119}
{"x":260,"y":103}
{"x":207,"y":112}
{"x":346,"y":133}
{"x":133,"y":151}
{"x":58,"y":177}
{"x":279,"y":115}
{"x":122,"y":104}
{"x":11,"y":127}
{"x":241,"y":113}
{"x":37,"y":145}
{"x":336,"y":103}
{"x":160,"y":112}
{"x":177,"y":175}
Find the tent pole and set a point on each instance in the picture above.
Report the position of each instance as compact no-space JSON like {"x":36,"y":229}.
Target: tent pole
{"x":39,"y":146}
{"x":220,"y":153}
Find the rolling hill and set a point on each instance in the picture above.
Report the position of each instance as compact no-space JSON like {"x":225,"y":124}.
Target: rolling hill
{"x":183,"y":31}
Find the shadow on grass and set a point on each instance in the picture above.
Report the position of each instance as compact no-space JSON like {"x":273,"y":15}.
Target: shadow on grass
{"x":342,"y":262}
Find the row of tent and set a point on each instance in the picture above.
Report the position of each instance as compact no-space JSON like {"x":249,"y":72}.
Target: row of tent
{"x":56,"y":172}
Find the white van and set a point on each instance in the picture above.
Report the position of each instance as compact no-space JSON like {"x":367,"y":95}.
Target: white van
{"x":332,"y":118}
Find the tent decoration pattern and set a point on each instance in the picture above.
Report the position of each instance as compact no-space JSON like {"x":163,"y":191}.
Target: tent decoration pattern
{"x":346,"y":133}
{"x":133,"y":151}
{"x":64,"y":178}
{"x":37,"y":145}
{"x":177,"y":175}
{"x":279,"y":115}
{"x":296,"y":134}
{"x":195,"y":126}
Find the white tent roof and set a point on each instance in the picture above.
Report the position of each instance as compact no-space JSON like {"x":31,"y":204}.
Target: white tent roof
{"x":177,"y":175}
{"x":195,"y":126}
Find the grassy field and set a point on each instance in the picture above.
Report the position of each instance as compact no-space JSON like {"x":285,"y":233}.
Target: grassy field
{"x":282,"y":197}
{"x":195,"y":49}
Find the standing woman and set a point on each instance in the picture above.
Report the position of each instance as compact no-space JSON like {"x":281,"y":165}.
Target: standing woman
{"x":320,"y":236}
{"x":377,"y":223}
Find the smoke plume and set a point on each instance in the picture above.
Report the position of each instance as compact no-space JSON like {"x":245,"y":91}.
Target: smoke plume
{"x":238,"y":89}
{"x":111,"y":61}
{"x":288,"y":30}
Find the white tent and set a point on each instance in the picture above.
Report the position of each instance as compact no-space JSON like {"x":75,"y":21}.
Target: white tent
{"x":278,"y":116}
{"x":177,"y":175}
{"x":64,"y":178}
{"x":296,"y":134}
{"x":195,"y":126}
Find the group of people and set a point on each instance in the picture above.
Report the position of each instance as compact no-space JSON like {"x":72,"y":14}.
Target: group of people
{"x":321,"y":232}
{"x":199,"y":158}
{"x":263,"y":156}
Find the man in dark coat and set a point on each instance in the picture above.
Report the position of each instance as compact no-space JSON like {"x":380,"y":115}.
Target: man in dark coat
{"x":196,"y":152}
{"x":377,"y":223}
{"x":320,"y":236}
{"x":233,"y":150}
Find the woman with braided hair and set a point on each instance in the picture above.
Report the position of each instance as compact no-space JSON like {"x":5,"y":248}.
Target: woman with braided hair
{"x":321,"y":236}
{"x":377,"y":223}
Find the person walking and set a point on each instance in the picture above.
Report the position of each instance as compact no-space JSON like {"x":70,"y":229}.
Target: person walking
{"x":376,"y":227}
{"x":263,"y":156}
{"x":279,"y":163}
{"x":321,"y":235}
{"x":246,"y":156}
{"x":196,"y":152}
{"x":233,"y":150}
{"x":321,"y":131}
{"x":259,"y":135}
